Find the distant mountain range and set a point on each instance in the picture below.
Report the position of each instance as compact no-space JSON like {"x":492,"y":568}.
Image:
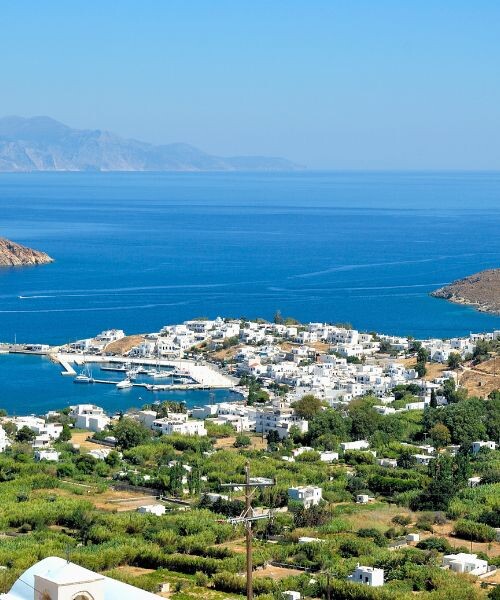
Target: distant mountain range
{"x":43,"y":144}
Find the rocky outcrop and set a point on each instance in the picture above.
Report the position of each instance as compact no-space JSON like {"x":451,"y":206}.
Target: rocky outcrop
{"x":15,"y":255}
{"x":481,"y":290}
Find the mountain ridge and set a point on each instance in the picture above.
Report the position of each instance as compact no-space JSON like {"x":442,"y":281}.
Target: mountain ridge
{"x":44,"y":144}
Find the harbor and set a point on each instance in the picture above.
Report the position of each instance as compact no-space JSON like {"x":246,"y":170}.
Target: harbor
{"x":34,"y":383}
{"x":194,"y":375}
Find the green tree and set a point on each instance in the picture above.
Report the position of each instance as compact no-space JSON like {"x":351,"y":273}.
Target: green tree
{"x":86,"y":463}
{"x":406,"y":460}
{"x":242,"y":441}
{"x":25,"y":435}
{"x":365,"y":420}
{"x":454,"y":360}
{"x":65,"y":433}
{"x":130,"y":433}
{"x":421,"y":369}
{"x":440,"y":435}
{"x":422,"y":355}
{"x":194,"y":480}
{"x":307,"y":407}
{"x":176,"y":474}
{"x":273,"y":438}
{"x":433,"y":402}
{"x":327,"y":429}
{"x":112,"y":459}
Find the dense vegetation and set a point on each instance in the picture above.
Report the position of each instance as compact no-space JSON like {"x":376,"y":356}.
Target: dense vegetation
{"x":55,"y":508}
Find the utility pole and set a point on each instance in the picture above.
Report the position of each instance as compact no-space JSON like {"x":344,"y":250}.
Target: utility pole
{"x":248,"y":533}
{"x":247,"y":517}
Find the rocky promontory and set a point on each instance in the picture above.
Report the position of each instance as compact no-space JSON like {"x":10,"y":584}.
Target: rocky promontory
{"x":16,"y":255}
{"x":481,"y":290}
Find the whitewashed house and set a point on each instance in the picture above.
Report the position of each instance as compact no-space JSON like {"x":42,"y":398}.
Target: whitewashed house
{"x":476,"y":446}
{"x":58,"y":579}
{"x":307,"y":495}
{"x":89,"y":416}
{"x":368,"y":576}
{"x":169,"y":426}
{"x":357,"y":445}
{"x":48,"y":455}
{"x":465,"y":563}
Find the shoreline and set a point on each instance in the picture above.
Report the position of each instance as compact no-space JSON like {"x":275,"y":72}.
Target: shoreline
{"x":480,"y":291}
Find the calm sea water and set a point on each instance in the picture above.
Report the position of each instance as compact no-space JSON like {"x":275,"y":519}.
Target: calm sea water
{"x":137,"y":251}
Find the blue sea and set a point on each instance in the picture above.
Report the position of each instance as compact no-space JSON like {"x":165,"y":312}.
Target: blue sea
{"x":139,"y":250}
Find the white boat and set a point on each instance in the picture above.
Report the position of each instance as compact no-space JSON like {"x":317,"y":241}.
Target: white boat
{"x":126,"y":383}
{"x":160,"y":374}
{"x":85,"y":376}
{"x":132,"y":374}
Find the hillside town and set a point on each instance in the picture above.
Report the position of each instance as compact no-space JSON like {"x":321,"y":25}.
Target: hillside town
{"x":353,"y":433}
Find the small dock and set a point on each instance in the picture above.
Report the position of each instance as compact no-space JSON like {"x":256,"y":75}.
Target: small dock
{"x":68,"y":369}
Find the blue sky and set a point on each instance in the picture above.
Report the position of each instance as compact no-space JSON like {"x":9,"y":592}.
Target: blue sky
{"x":354,"y":84}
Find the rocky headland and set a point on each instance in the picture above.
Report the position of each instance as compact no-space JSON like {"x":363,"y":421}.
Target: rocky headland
{"x":481,"y":290}
{"x":16,"y":255}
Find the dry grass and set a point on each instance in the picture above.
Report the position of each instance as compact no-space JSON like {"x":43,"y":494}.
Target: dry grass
{"x":276,"y":573}
{"x":225,"y":353}
{"x":433,"y":369}
{"x":227,"y":443}
{"x":121,"y":501}
{"x":125,"y":344}
{"x":109,"y":500}
{"x":377,"y":516}
{"x":237,"y":546}
{"x":80,"y":437}
{"x":444,"y":531}
{"x":482,"y":379}
{"x":134,"y":571}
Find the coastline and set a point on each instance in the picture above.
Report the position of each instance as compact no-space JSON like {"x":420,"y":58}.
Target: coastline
{"x":480,"y":291}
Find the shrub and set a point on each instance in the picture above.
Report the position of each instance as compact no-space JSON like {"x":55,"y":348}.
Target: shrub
{"x":435,"y":543}
{"x":401,"y":520}
{"x":477,"y":532}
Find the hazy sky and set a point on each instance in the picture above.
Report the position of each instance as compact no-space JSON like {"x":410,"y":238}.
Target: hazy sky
{"x":357,"y":84}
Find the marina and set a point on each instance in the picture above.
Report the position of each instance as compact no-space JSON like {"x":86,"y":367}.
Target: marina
{"x":33,"y":384}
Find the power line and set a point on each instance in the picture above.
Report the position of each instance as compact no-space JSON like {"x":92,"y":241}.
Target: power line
{"x":247,"y":517}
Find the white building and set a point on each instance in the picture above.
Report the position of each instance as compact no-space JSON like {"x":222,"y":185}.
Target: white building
{"x":364,"y":499}
{"x":169,"y":426}
{"x":328,"y":456}
{"x":48,"y":455}
{"x":279,"y":417}
{"x":152,"y":509}
{"x":41,"y":441}
{"x":358,"y":445}
{"x":476,"y":446}
{"x":465,"y":563}
{"x":39,"y":426}
{"x":306,"y":495}
{"x":422,"y":459}
{"x":89,"y":416}
{"x":147,"y":418}
{"x":58,"y":579}
{"x":368,"y":576}
{"x":110,"y":335}
{"x":4,"y":440}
